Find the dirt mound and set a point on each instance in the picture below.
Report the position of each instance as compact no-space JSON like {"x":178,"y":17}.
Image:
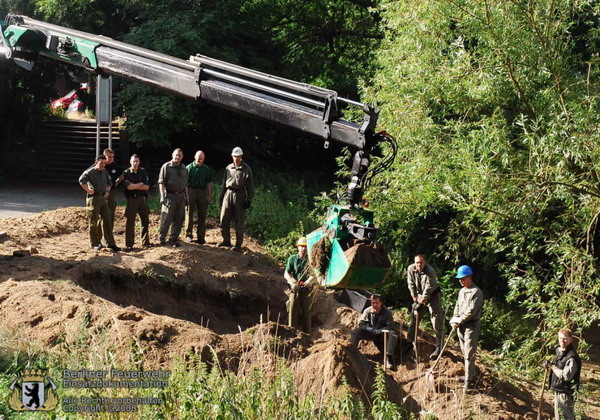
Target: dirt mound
{"x":48,"y":224}
{"x":367,"y":255}
{"x":320,"y":255}
{"x":61,"y":314}
{"x":161,"y":303}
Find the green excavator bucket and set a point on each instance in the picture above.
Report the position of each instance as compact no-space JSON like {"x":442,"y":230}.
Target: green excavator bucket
{"x":343,"y":252}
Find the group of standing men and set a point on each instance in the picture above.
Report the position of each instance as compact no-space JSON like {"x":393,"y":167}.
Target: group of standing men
{"x":376,"y":321}
{"x":425,"y":293}
{"x":183,"y":190}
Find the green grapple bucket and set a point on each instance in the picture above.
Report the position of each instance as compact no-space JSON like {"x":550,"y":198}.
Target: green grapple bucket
{"x":344,"y":264}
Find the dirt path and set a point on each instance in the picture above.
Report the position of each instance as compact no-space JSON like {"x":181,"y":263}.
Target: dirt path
{"x":21,"y":200}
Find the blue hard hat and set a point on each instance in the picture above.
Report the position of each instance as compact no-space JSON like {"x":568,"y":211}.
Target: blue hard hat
{"x":463,"y":271}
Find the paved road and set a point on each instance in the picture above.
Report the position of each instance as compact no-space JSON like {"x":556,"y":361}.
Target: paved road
{"x":20,"y":200}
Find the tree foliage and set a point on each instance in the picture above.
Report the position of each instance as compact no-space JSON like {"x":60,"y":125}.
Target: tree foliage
{"x":324,"y":43}
{"x":496,"y":108}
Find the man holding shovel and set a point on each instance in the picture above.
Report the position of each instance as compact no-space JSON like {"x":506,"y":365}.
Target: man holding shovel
{"x":297,"y":275}
{"x":564,"y":376}
{"x":467,"y":321}
{"x":425,"y":292}
{"x":376,"y":324}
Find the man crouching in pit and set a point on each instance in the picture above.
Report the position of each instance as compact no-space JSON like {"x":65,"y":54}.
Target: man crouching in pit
{"x":376,"y":321}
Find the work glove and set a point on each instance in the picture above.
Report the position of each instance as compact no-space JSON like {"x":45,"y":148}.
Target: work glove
{"x":247,"y":204}
{"x":163,"y":200}
{"x":295,"y":288}
{"x":455,"y":321}
{"x":548,"y":364}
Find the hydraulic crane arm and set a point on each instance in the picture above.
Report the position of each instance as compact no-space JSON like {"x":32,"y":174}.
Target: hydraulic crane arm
{"x":305,"y":107}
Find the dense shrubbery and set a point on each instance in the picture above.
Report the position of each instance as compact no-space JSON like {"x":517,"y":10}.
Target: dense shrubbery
{"x":496,"y":110}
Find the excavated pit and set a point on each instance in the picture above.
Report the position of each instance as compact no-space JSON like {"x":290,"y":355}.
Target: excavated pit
{"x":223,"y":305}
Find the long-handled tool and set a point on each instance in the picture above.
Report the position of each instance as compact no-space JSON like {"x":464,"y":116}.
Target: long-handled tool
{"x":415,"y":342}
{"x":385,"y":334}
{"x":539,"y":417}
{"x":429,"y":378}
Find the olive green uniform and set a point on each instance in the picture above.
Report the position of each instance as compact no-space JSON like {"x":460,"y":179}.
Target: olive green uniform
{"x":97,"y":206}
{"x":564,"y":381}
{"x":199,"y":178}
{"x":424,"y":286}
{"x":114,"y":172}
{"x":237,"y":191}
{"x":302,"y":299}
{"x":172,"y":215}
{"x":137,"y":203}
{"x":468,"y":312}
{"x":371,"y":326}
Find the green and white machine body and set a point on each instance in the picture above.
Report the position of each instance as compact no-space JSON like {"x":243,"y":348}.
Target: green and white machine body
{"x":342,"y":225}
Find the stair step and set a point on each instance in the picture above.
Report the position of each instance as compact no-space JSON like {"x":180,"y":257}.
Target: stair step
{"x":66,"y":148}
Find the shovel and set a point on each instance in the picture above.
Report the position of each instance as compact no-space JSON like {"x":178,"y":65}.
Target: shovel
{"x":539,"y":417}
{"x":429,"y":378}
{"x":415,"y":342}
{"x":385,"y":334}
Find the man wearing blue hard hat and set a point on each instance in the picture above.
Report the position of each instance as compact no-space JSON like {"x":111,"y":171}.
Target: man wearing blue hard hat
{"x":467,"y":321}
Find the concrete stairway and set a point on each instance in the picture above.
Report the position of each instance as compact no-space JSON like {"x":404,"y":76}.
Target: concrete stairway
{"x":65,"y":148}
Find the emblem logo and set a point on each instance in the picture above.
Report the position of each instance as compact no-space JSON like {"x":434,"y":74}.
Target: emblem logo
{"x":32,"y":391}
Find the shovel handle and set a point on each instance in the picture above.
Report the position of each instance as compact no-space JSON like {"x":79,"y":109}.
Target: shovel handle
{"x":416,"y":342}
{"x":539,"y":413}
{"x":443,"y":348}
{"x":385,"y":334}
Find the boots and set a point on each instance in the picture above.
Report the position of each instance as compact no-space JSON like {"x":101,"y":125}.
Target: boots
{"x":435,"y":354}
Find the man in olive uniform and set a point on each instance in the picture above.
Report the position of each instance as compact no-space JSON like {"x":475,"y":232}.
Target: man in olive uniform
{"x":200,"y":189}
{"x":300,"y":299}
{"x":114,"y":171}
{"x":137,"y":185}
{"x":236,"y":195}
{"x":425,"y":292}
{"x":96,"y":183}
{"x":172,"y":181}
{"x":565,"y":376}
{"x":467,"y":321}
{"x":373,"y":322}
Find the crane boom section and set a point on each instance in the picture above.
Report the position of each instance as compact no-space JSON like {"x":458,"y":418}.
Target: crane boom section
{"x":302,"y":106}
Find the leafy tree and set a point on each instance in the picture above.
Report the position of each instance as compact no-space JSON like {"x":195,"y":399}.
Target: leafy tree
{"x":496,"y":108}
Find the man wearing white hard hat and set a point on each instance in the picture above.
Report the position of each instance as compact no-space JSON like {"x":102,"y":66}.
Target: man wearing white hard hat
{"x":467,"y":321}
{"x":236,"y":196}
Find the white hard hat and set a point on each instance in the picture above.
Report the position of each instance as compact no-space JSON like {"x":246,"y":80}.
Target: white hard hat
{"x":237,"y":151}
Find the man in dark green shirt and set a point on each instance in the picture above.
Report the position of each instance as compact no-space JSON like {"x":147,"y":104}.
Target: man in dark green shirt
{"x":200,"y":191}
{"x":300,"y":281}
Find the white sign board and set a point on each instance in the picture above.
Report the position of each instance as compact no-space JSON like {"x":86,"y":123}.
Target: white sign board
{"x":104,"y":99}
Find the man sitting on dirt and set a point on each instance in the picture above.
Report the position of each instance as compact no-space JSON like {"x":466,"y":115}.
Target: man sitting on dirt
{"x":565,"y":375}
{"x":467,"y":321}
{"x":96,"y":183}
{"x":376,"y":321}
{"x":300,"y":282}
{"x":425,"y":292}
